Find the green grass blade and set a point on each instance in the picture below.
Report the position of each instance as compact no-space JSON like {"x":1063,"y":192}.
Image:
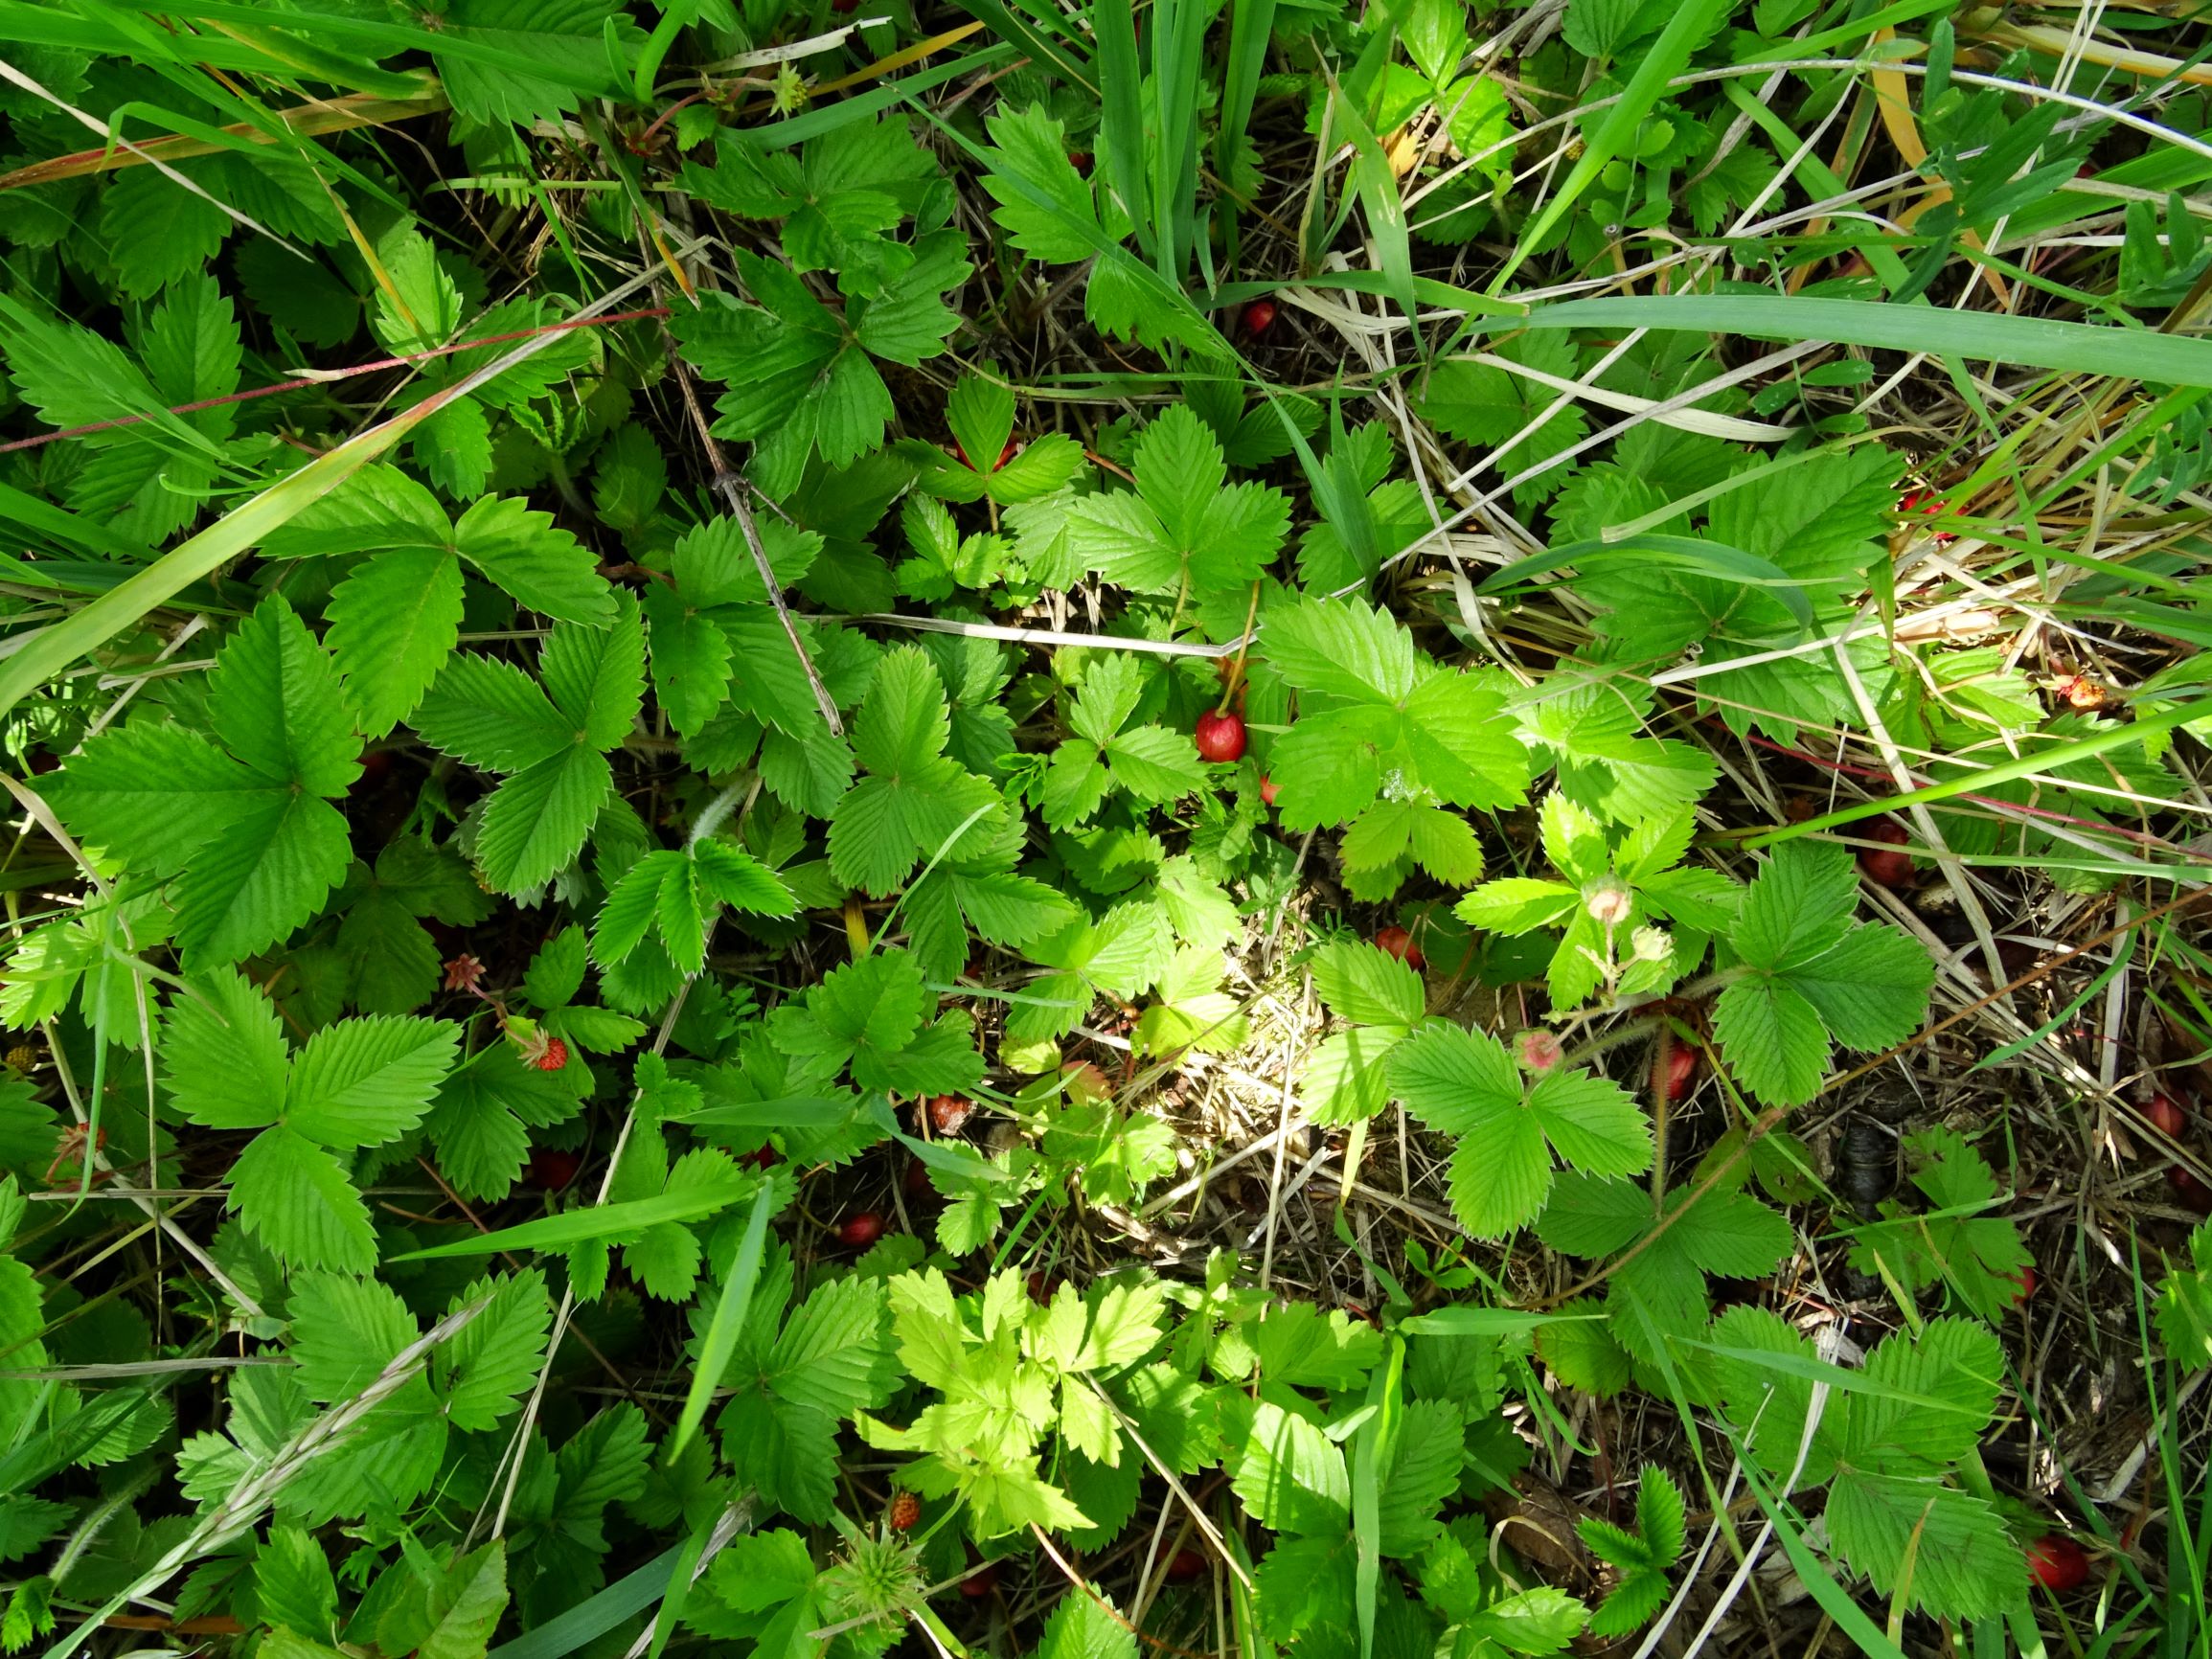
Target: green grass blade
{"x":52,"y":649}
{"x":730,"y":1310}
{"x":568,"y":1632}
{"x":1998,"y":336}
{"x":572,"y":1227}
{"x":2003,"y":772}
{"x":1034,"y":37}
{"x":1667,"y":57}
{"x":1121,"y":125}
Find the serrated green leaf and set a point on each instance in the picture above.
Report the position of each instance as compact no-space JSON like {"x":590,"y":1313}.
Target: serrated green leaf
{"x":394,"y":622}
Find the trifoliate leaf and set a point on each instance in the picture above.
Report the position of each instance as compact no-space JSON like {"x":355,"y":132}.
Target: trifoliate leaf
{"x":1184,"y":527}
{"x":913,"y":803}
{"x":1462,"y":1082}
{"x":1813,"y":974}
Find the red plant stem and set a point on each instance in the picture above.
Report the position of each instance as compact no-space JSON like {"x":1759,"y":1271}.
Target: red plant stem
{"x":324,"y":376}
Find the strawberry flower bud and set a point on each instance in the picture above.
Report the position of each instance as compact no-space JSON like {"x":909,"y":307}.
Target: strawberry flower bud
{"x":1609,"y":901}
{"x":1653,"y":943}
{"x":1538,"y":1052}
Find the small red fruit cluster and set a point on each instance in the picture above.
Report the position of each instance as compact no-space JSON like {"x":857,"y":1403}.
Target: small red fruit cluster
{"x":906,"y":1511}
{"x":555,"y":1057}
{"x":1220,"y":736}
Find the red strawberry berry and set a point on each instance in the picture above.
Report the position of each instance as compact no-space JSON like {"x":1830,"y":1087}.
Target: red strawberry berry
{"x":1258,"y":317}
{"x":2027,"y":1280}
{"x":2167,"y":1118}
{"x":551,"y":1168}
{"x":860,"y":1230}
{"x":906,"y":1511}
{"x":980,"y":1582}
{"x":1187,"y":1567}
{"x":1399,"y":942}
{"x":949,"y":1112}
{"x":1681,"y":1072}
{"x":1269,"y":789}
{"x":2188,"y":1189}
{"x":1220,"y":736}
{"x":555,"y":1057}
{"x":916,"y":1180}
{"x":2056,"y":1562}
{"x":1880,"y":865}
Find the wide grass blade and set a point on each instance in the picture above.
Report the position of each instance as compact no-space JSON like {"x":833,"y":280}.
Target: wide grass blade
{"x":1998,"y":336}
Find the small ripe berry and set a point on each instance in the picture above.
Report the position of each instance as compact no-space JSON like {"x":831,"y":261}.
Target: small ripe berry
{"x":555,"y":1057}
{"x":2027,"y":1281}
{"x":980,"y":1582}
{"x":860,"y":1230}
{"x":1926,"y":504}
{"x":1220,"y":736}
{"x":2188,"y":1189}
{"x":1397,"y":941}
{"x":1269,"y":789}
{"x":551,"y":1168}
{"x":1681,"y":1072}
{"x":762,"y":1157}
{"x":1187,"y":1567}
{"x":1258,"y":317}
{"x":1879,"y":864}
{"x":1080,"y":160}
{"x":2167,"y":1118}
{"x":916,"y":1180}
{"x":949,"y":1112}
{"x":2056,"y":1562}
{"x":906,"y":1511}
